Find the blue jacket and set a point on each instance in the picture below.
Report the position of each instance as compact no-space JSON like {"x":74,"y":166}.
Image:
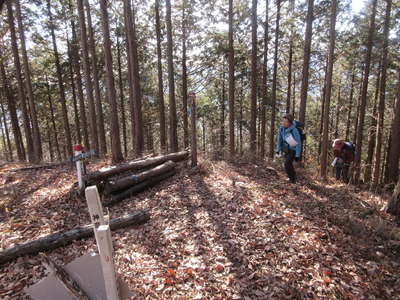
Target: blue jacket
{"x":283,"y":132}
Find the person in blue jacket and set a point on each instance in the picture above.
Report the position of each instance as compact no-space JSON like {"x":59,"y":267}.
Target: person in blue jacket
{"x":289,"y":143}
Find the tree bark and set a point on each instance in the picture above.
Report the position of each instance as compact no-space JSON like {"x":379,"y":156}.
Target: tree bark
{"x":7,"y":135}
{"x":121,"y":98}
{"x":382,"y":91}
{"x":51,"y":151}
{"x":394,"y":144}
{"x":53,"y":122}
{"x":138,"y":188}
{"x":96,"y":83}
{"x":337,"y":119}
{"x":94,"y":139}
{"x":173,"y":138}
{"x":112,"y":98}
{"x":161,"y":107}
{"x":274,"y":82}
{"x":306,"y":62}
{"x":60,"y":84}
{"x":129,"y":181}
{"x":350,"y":106}
{"x":325,"y":137}
{"x":13,"y":112}
{"x":231,"y":63}
{"x":264,"y":88}
{"x":253,"y":80}
{"x":393,"y":207}
{"x":289,"y":89}
{"x":222,"y":112}
{"x":135,"y":165}
{"x":20,"y":85}
{"x":37,"y":144}
{"x":363,"y":100}
{"x":193,"y":144}
{"x":184,"y":79}
{"x":60,"y":239}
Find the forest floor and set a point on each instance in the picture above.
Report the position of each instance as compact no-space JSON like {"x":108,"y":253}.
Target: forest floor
{"x":221,"y":231}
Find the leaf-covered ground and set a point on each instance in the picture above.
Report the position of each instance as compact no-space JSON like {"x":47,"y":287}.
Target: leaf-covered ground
{"x":222,"y":231}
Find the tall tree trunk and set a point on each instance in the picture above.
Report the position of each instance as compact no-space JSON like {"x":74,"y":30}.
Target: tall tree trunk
{"x":274,"y":82}
{"x":53,"y":121}
{"x":161,"y":107}
{"x":20,"y":85}
{"x":121,"y":98}
{"x":81,"y":101}
{"x":112,"y":98}
{"x":222,"y":105}
{"x":51,"y":152}
{"x":60,"y":84}
{"x":325,"y":137}
{"x":289,"y":89}
{"x":394,"y":144}
{"x":3,"y":135}
{"x":382,"y":91}
{"x":253,"y":80}
{"x":306,"y":62}
{"x":321,"y":122}
{"x":94,"y":139}
{"x":184,"y":79}
{"x":13,"y":112}
{"x":241,"y":121}
{"x":264,"y":89}
{"x":358,"y":109}
{"x":350,"y":106}
{"x":173,"y":138}
{"x":337,"y":119}
{"x":7,"y":135}
{"x":37,"y":145}
{"x":363,"y":103}
{"x":133,"y":67}
{"x":78,"y":138}
{"x":294,"y":95}
{"x":231,"y":65}
{"x":372,"y":131}
{"x":96,"y":83}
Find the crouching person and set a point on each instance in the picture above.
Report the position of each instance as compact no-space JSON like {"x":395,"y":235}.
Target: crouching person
{"x":344,"y":153}
{"x":289,"y":143}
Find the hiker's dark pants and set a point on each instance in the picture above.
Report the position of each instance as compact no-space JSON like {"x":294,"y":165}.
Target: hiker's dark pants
{"x":289,"y":157}
{"x":342,"y":172}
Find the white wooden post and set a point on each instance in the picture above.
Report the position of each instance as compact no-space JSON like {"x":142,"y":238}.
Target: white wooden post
{"x":104,"y":243}
{"x":102,"y":234}
{"x":79,"y":171}
{"x":94,"y":205}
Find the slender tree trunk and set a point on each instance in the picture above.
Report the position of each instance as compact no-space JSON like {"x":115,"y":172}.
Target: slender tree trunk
{"x":204,"y":134}
{"x":121,"y":97}
{"x":382,"y":91}
{"x":96,"y":83}
{"x":306,"y":62}
{"x":289,"y":89}
{"x":161,"y":108}
{"x":60,"y":84}
{"x":74,"y":101}
{"x":350,"y":107}
{"x":241,"y":121}
{"x":294,"y":95}
{"x":51,"y":152}
{"x":274,"y":82}
{"x":94,"y":138}
{"x":372,"y":131}
{"x":231,"y":63}
{"x":7,"y":135}
{"x":13,"y":112}
{"x":184,"y":79}
{"x":37,"y":145}
{"x":321,"y":122}
{"x":53,"y":121}
{"x":222,"y":111}
{"x":253,"y":80}
{"x":394,"y":144}
{"x":337,"y":119}
{"x":332,"y":40}
{"x":264,"y":87}
{"x":363,"y":103}
{"x":20,"y":85}
{"x":172,"y":106}
{"x":358,"y":110}
{"x":3,"y":135}
{"x":112,"y":98}
{"x":81,"y":101}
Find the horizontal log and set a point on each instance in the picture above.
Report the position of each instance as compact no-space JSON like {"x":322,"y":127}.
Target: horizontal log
{"x":135,"y":165}
{"x":128,"y":181}
{"x":60,"y":239}
{"x":138,"y":188}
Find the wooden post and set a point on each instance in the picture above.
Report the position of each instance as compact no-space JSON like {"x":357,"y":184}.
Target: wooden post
{"x":79,"y":169}
{"x":104,"y":243}
{"x":193,"y":150}
{"x":94,"y":205}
